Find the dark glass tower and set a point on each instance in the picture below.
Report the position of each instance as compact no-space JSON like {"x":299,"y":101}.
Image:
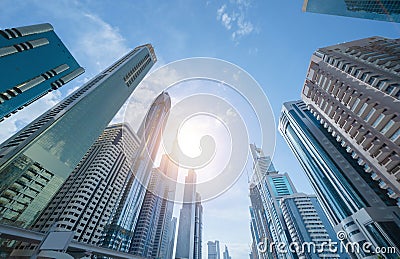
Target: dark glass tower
{"x":36,"y":161}
{"x":33,"y":62}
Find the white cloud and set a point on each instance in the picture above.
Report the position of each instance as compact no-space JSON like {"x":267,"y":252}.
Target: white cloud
{"x":236,"y":19}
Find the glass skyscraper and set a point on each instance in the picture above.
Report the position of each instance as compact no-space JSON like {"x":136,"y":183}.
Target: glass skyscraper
{"x":383,"y":10}
{"x":354,"y":202}
{"x":190,"y":226}
{"x":282,"y":219}
{"x":33,"y":62}
{"x":213,"y":250}
{"x":266,"y":189}
{"x":307,"y":223}
{"x":119,"y":232}
{"x":36,"y":161}
{"x":151,"y":235}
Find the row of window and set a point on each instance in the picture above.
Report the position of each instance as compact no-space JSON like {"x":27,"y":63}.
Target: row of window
{"x":367,"y":77}
{"x":346,"y":97}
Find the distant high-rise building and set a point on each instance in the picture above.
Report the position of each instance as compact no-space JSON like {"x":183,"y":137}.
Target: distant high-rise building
{"x":257,"y":221}
{"x":198,"y":228}
{"x":280,"y":215}
{"x":171,"y":242}
{"x":87,"y":199}
{"x":354,"y":202}
{"x":354,"y":88}
{"x":226,"y":254}
{"x":119,"y":232}
{"x":190,"y":222}
{"x":213,"y":250}
{"x":267,"y":188}
{"x":36,"y":161}
{"x":308,"y":223}
{"x":33,"y":62}
{"x":152,"y":233}
{"x":383,"y":10}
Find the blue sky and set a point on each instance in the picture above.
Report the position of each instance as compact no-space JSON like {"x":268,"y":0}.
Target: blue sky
{"x":272,"y":40}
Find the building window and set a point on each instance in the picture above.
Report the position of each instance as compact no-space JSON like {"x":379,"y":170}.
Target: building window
{"x":378,"y":120}
{"x":363,"y":107}
{"x":395,"y":136}
{"x":387,"y":126}
{"x":369,"y":115}
{"x":355,"y":104}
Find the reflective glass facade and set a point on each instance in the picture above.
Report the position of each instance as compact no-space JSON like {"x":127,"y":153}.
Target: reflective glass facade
{"x":119,"y":231}
{"x":267,"y":188}
{"x":348,"y":194}
{"x":33,"y":62}
{"x":58,"y":139}
{"x":383,"y":10}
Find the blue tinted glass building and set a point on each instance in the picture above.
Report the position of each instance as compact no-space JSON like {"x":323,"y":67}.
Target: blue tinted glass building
{"x":266,"y":189}
{"x":33,"y":62}
{"x":307,"y":223}
{"x":36,"y":161}
{"x":383,"y":10}
{"x":119,"y":232}
{"x":352,"y":200}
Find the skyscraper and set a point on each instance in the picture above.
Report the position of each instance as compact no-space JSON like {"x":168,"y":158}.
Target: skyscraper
{"x":87,"y":199}
{"x":152,"y":233}
{"x":383,"y":10}
{"x":171,"y":239}
{"x":267,"y":188}
{"x":119,"y":232}
{"x":213,"y":250}
{"x":355,"y":88}
{"x":226,"y":254}
{"x":36,"y":161}
{"x":307,"y":223}
{"x":257,"y":221}
{"x":280,"y":215}
{"x":198,"y":228}
{"x":190,"y":221}
{"x":33,"y":62}
{"x":354,"y":202}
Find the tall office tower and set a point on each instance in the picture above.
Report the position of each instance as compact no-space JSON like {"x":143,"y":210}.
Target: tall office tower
{"x":151,"y":235}
{"x":383,"y":10}
{"x":189,"y":226}
{"x":381,"y":6}
{"x":225,"y":254}
{"x":354,"y":202}
{"x":171,"y":239}
{"x":267,"y":188}
{"x":36,"y":62}
{"x":307,"y":223}
{"x":88,"y":197}
{"x":119,"y":231}
{"x":36,"y":161}
{"x":255,"y":228}
{"x":198,"y":227}
{"x":213,"y":250}
{"x":355,"y":88}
